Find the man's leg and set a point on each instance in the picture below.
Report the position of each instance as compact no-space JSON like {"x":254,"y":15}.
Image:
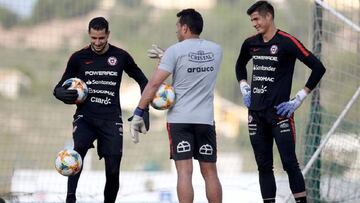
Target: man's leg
{"x":185,"y":189}
{"x":84,"y":136}
{"x":73,"y":180}
{"x":212,"y":182}
{"x":205,"y":151}
{"x":112,"y":171}
{"x":284,"y":133}
{"x":262,"y":143}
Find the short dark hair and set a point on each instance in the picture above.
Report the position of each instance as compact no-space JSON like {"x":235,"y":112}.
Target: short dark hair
{"x":262,"y":7}
{"x":192,"y":19}
{"x":99,"y":23}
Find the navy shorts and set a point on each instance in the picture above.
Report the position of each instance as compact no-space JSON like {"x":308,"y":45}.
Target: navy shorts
{"x":266,"y":126}
{"x":192,"y":140}
{"x":108,"y":133}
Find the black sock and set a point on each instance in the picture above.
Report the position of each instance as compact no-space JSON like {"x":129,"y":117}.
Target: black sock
{"x":300,"y":199}
{"x":70,"y":198}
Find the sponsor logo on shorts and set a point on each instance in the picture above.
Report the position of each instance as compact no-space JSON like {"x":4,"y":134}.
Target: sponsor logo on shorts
{"x":284,"y":125}
{"x":250,"y":119}
{"x":183,"y":146}
{"x":284,"y":131}
{"x":282,"y":121}
{"x":120,"y":128}
{"x":74,"y":128}
{"x":206,"y":150}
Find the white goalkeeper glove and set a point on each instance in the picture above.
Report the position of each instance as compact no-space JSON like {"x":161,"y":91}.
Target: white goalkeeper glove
{"x":288,"y":108}
{"x":137,"y":125}
{"x":155,"y":52}
{"x":246,"y":93}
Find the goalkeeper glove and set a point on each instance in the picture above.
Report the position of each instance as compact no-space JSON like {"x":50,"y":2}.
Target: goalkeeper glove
{"x":67,"y":96}
{"x":155,"y":52}
{"x":246,"y":93}
{"x":288,"y":108}
{"x":140,"y":123}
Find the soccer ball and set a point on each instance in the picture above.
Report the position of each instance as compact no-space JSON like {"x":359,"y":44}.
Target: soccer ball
{"x":164,"y":97}
{"x":80,"y":86}
{"x":68,"y":162}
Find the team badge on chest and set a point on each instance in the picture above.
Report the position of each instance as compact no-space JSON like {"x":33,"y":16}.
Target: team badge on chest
{"x":112,"y":60}
{"x":273,"y":49}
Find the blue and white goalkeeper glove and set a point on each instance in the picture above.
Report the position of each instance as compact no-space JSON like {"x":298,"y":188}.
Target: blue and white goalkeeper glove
{"x":137,"y":125}
{"x":246,"y":93}
{"x":288,"y":108}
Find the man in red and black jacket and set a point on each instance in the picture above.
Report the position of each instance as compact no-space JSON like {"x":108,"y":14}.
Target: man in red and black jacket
{"x":274,"y":53}
{"x":100,"y":65}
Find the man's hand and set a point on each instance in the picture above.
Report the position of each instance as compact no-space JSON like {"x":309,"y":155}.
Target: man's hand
{"x":137,"y":124}
{"x":65,"y":95}
{"x":246,"y":93}
{"x":146,"y":118}
{"x":155,"y":52}
{"x":288,"y":108}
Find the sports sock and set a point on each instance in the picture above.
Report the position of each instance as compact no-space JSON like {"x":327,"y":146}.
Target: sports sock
{"x":269,"y":200}
{"x":300,"y":199}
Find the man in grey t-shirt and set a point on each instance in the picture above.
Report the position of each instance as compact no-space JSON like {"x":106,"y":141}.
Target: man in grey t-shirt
{"x":194,"y":64}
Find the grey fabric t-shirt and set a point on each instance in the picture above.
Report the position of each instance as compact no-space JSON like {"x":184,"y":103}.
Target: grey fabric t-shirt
{"x":194,"y":64}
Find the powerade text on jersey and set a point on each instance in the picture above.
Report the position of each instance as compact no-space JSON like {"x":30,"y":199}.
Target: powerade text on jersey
{"x":102,"y":74}
{"x":273,"y":68}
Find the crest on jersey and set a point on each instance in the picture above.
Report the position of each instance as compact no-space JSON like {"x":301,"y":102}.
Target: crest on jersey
{"x":112,"y":60}
{"x":273,"y":49}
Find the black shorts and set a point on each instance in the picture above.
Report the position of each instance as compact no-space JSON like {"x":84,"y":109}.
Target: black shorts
{"x":108,"y":133}
{"x":192,"y":140}
{"x":265,"y":127}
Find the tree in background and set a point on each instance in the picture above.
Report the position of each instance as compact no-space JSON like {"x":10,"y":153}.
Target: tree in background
{"x":46,"y":10}
{"x":8,"y":18}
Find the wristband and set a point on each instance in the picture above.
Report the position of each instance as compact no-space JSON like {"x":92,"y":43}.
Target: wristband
{"x":139,"y":112}
{"x":301,"y":95}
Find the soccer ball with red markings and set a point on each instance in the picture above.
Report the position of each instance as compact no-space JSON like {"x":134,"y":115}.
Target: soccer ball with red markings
{"x":68,"y":162}
{"x":164,"y":97}
{"x":80,"y":86}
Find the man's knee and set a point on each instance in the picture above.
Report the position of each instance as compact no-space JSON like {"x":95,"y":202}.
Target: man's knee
{"x":291,"y":167}
{"x":208,"y":169}
{"x":112,"y":165}
{"x":265,"y":168}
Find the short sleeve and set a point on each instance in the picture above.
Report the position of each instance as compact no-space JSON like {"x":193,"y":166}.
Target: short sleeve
{"x":168,"y":61}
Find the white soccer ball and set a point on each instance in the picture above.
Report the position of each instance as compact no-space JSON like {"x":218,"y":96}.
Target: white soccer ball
{"x":80,"y":86}
{"x":164,"y":97}
{"x":68,"y":162}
